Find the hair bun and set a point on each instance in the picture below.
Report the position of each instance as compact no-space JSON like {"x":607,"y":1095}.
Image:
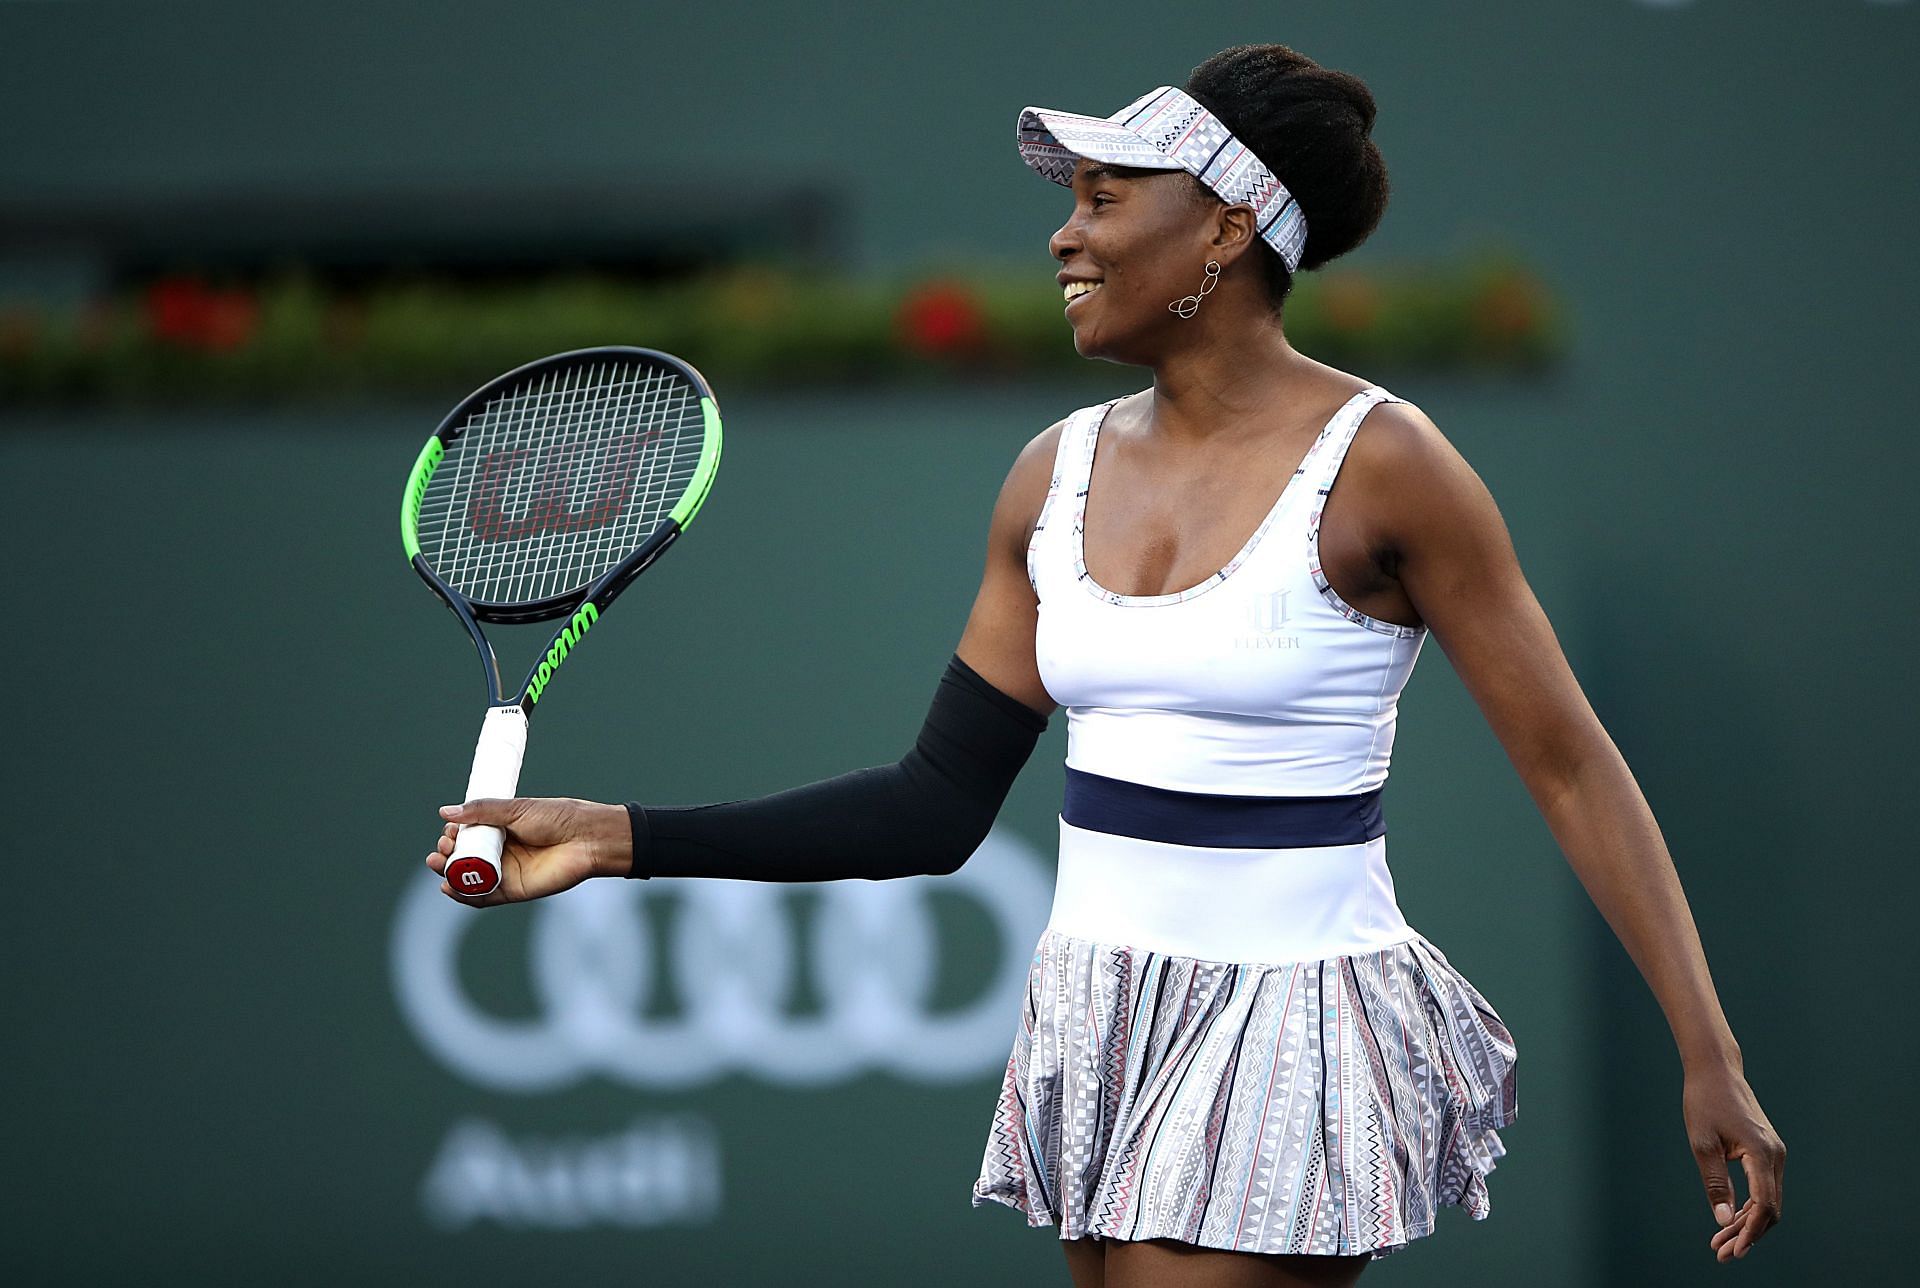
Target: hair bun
{"x":1312,"y":126}
{"x":1357,"y":96}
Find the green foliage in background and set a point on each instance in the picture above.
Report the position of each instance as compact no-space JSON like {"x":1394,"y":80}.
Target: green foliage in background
{"x":182,"y":340}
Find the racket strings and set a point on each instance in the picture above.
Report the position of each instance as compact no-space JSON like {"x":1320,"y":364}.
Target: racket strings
{"x":550,"y":485}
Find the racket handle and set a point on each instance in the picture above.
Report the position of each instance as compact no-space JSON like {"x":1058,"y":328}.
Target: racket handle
{"x":474,"y":869}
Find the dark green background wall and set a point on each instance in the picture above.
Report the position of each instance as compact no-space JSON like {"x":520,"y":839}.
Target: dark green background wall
{"x":236,"y":709}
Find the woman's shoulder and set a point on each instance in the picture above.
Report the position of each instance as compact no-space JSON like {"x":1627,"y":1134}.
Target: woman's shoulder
{"x":1033,"y":469}
{"x":1398,"y":443}
{"x":1024,"y":494}
{"x":1032,"y":474}
{"x":1409,"y":480}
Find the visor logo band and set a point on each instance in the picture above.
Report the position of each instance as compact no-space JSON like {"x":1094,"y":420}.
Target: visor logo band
{"x":1166,"y":129}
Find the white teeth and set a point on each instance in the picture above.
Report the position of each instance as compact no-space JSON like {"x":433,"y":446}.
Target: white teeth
{"x":1076,"y":289}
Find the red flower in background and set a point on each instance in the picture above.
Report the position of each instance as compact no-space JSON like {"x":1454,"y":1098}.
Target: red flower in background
{"x":941,"y":318}
{"x":188,"y":312}
{"x":1509,"y":306}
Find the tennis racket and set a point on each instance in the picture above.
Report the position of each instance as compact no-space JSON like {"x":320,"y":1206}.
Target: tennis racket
{"x":540,"y":498}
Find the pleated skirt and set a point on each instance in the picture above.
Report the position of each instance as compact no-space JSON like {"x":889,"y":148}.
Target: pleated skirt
{"x":1324,"y":1107}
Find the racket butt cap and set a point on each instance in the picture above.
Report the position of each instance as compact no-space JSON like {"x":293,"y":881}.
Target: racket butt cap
{"x":473,"y":878}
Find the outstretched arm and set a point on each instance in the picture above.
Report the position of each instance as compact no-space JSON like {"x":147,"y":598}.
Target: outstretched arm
{"x":924,"y":814}
{"x":1444,"y":540}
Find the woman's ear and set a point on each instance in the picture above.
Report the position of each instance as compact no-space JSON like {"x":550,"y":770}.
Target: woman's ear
{"x":1234,"y":231}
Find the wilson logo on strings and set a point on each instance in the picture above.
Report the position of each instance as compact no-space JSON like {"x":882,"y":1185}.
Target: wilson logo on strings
{"x":563,"y":644}
{"x":504,"y":507}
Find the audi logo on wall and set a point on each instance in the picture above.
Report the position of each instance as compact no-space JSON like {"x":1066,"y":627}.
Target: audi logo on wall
{"x":873,"y":954}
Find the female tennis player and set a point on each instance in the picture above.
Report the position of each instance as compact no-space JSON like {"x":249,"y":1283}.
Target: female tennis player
{"x":1237,"y":1064}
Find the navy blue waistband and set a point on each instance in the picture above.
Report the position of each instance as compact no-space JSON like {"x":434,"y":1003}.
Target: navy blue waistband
{"x":1121,"y":808}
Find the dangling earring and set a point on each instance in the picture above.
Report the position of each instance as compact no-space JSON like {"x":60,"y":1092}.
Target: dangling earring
{"x":1188,"y":305}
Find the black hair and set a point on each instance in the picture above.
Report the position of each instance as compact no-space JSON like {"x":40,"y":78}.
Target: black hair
{"x":1310,"y":125}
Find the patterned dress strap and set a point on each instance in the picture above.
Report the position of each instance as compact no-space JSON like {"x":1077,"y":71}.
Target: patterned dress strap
{"x":1071,"y":462}
{"x":1340,"y":437}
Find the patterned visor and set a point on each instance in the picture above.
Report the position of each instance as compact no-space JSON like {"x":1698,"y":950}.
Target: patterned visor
{"x":1166,"y":130}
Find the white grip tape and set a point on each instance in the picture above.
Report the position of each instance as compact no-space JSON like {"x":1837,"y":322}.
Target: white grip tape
{"x":496,"y":774}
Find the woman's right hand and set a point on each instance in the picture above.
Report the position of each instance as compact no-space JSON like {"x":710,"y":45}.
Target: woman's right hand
{"x":553,"y":843}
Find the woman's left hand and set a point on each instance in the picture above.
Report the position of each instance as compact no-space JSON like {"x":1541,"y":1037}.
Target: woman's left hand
{"x":1724,"y":1122}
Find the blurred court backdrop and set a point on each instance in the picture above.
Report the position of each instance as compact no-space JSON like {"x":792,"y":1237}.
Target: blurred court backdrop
{"x":1649,"y":264}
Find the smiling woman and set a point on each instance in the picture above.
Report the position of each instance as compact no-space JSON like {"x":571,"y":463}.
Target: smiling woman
{"x":1311,"y":122}
{"x":1238,"y":1062}
{"x":1171,"y":157}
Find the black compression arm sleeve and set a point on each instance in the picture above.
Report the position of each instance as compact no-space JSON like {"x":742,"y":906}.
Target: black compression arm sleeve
{"x":924,"y":814}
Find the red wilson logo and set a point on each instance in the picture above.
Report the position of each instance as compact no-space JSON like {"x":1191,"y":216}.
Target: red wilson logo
{"x":472,"y":877}
{"x":566,"y":493}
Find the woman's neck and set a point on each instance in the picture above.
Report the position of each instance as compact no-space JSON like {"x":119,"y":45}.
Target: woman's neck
{"x":1234,"y":374}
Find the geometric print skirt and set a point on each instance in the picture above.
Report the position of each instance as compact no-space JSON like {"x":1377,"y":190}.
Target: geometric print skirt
{"x":1327,"y":1107}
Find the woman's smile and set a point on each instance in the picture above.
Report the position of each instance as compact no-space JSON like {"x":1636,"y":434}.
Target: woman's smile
{"x":1079,"y":290}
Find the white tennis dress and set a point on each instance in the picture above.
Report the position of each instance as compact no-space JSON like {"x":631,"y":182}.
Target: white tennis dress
{"x":1232,"y":1036}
